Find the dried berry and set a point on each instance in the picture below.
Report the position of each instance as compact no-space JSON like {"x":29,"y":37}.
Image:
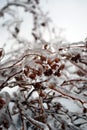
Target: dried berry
{"x":51,"y":86}
{"x":2,"y":103}
{"x":84,"y":110}
{"x":32,"y":75}
{"x":37,"y":86}
{"x":62,"y":67}
{"x":49,"y":61}
{"x":57,"y":60}
{"x":43,"y":24}
{"x":1,"y":52}
{"x":6,"y":123}
{"x":45,"y":46}
{"x":57,"y":73}
{"x":1,"y":128}
{"x":48,"y":72}
{"x":76,"y":58}
{"x":17,"y":29}
{"x":39,"y":72}
{"x":54,"y":66}
{"x":43,"y":58}
{"x":19,"y":78}
{"x":26,"y":70}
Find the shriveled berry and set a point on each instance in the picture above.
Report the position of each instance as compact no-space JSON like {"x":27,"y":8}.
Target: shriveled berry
{"x":48,"y":72}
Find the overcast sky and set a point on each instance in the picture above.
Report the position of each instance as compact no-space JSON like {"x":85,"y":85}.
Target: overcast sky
{"x":70,"y":15}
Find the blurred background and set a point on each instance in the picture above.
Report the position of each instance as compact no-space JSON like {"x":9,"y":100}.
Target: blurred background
{"x":68,"y":16}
